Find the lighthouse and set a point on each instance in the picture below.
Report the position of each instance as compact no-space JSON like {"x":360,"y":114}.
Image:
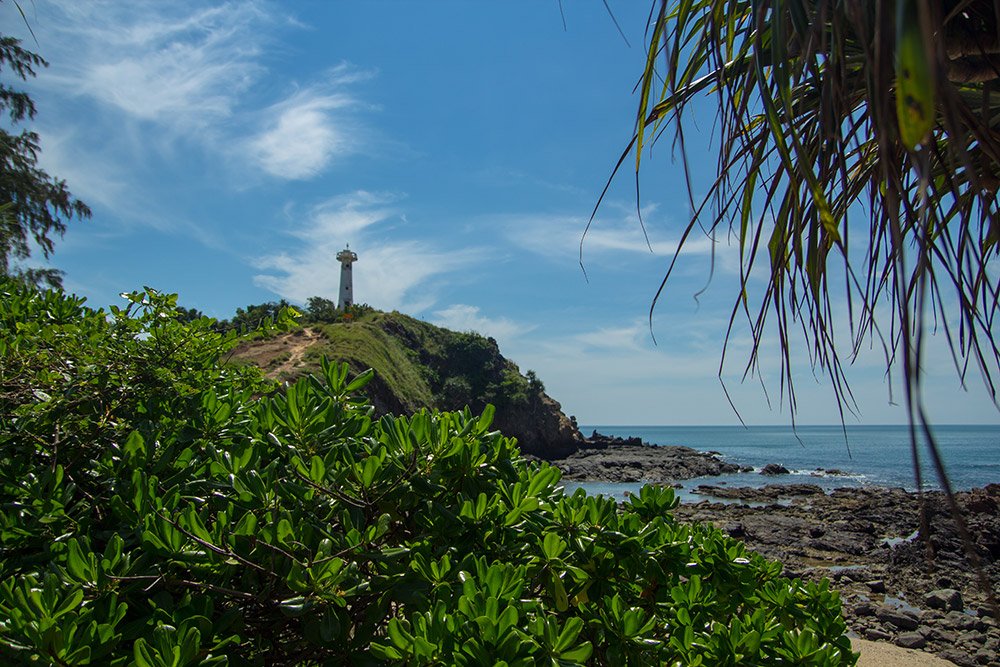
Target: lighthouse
{"x":346,"y":257}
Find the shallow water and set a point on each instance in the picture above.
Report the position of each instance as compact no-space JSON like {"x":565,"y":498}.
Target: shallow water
{"x":870,"y":455}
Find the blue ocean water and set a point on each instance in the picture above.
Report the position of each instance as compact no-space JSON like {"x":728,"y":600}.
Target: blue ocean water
{"x":870,"y":455}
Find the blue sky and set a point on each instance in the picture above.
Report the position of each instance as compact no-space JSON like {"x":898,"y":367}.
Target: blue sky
{"x":229,"y":150}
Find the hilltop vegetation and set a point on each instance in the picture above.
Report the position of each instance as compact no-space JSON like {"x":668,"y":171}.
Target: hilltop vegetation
{"x":418,"y":365}
{"x":159,"y":506}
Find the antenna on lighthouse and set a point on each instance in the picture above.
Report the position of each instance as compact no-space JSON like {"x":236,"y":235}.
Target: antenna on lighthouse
{"x":346,"y":257}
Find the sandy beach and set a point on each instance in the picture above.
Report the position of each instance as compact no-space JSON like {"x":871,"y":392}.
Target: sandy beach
{"x":880,"y":654}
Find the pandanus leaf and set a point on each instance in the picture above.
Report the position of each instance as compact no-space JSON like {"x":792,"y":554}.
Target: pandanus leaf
{"x":915,"y":90}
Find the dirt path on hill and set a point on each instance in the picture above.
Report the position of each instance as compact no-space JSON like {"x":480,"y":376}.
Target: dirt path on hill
{"x":281,"y":357}
{"x":298,"y":343}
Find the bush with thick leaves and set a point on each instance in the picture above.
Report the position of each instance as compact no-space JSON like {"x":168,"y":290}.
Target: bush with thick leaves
{"x":162,"y":508}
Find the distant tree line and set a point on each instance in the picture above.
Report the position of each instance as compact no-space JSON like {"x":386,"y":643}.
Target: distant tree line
{"x":318,"y":310}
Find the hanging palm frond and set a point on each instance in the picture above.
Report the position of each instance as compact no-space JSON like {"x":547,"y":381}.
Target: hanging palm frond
{"x":840,"y":117}
{"x":860,"y":155}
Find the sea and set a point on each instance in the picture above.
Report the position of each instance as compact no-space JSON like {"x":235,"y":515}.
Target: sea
{"x":861,"y":456}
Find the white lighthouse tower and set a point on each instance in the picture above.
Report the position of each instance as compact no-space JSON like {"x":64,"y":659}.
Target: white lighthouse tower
{"x":346,"y":257}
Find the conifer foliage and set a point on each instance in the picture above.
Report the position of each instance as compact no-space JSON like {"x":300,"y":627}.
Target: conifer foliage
{"x":160,"y":507}
{"x":34,"y":206}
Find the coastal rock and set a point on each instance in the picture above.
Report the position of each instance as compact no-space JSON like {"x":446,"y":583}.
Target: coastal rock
{"x":864,"y":609}
{"x":900,"y":618}
{"x":867,"y":541}
{"x":957,"y":656}
{"x":607,"y":459}
{"x":944,"y":598}
{"x":762,"y":494}
{"x":774,"y":469}
{"x":911,"y":640}
{"x":956,"y":620}
{"x":876,"y":586}
{"x":828,"y":472}
{"x":972,"y":637}
{"x":735,"y":530}
{"x":982,"y":504}
{"x":541,"y":428}
{"x":937,"y":635}
{"x":876,"y":635}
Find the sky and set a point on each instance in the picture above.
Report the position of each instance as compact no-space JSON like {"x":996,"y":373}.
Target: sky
{"x":230,"y":150}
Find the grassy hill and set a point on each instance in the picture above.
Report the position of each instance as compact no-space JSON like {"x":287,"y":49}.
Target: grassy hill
{"x":419,"y":365}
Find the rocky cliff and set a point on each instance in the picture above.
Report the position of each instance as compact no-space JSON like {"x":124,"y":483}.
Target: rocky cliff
{"x":419,"y":365}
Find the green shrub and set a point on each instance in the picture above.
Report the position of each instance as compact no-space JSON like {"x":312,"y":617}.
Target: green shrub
{"x":156,"y":510}
{"x":256,"y":317}
{"x":321,"y":310}
{"x":324,"y":311}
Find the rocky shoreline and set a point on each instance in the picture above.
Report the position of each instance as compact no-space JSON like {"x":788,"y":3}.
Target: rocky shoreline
{"x":603,"y":458}
{"x":896,"y":585}
{"x":869,"y":544}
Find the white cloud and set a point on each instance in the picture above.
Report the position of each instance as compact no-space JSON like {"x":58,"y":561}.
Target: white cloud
{"x":391,"y":273}
{"x":182,"y":89}
{"x":506,"y":177}
{"x":98,"y":179}
{"x":631,"y":338}
{"x":346,"y":216}
{"x":559,"y":237}
{"x":463,"y":317}
{"x":616,"y":374}
{"x":389,"y":276}
{"x":184,"y":67}
{"x":163,"y":76}
{"x":181,"y":71}
{"x":302,"y":135}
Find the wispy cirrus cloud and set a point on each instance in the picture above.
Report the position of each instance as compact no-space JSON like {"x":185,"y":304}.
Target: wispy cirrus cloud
{"x":94,"y":178}
{"x":392,"y":272}
{"x":516,"y":178}
{"x":347,"y":216}
{"x":633,"y":337}
{"x":172,"y":78}
{"x":302,"y":134}
{"x":100,"y":180}
{"x":559,"y":236}
{"x":180,"y":65}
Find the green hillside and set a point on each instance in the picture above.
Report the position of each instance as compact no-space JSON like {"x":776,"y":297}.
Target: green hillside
{"x":419,"y":365}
